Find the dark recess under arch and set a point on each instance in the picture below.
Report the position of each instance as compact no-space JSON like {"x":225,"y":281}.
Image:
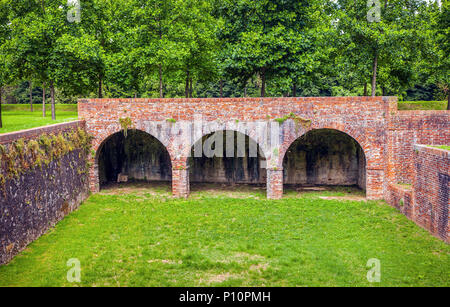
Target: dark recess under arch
{"x":325,"y":157}
{"x":225,"y":169}
{"x":139,"y":155}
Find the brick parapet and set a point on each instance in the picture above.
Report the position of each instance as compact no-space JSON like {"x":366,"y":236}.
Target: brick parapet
{"x":431,"y":186}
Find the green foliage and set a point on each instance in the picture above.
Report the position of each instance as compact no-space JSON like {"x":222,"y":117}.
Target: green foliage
{"x":305,"y":123}
{"x":265,"y":38}
{"x":387,"y":48}
{"x":126,"y":123}
{"x":230,"y":48}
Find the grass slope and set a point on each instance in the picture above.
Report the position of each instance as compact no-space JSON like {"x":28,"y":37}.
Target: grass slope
{"x":140,"y":236}
{"x":422,"y":105}
{"x":446,"y":147}
{"x":19,"y":117}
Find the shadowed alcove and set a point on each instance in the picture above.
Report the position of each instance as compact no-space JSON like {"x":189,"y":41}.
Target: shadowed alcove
{"x":325,"y":157}
{"x":138,"y":156}
{"x":241,"y":161}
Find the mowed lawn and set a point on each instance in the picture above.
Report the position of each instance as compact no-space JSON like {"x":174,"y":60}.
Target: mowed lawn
{"x":19,"y":117}
{"x":140,"y":236}
{"x":422,"y":105}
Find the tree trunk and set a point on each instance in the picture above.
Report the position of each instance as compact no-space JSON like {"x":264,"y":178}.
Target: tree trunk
{"x":43,"y":99}
{"x":52,"y":95}
{"x":100,"y":87}
{"x":294,"y":90}
{"x":191,"y":91}
{"x":448,"y":101}
{"x":365,"y":89}
{"x":263,"y":82}
{"x":1,"y":122}
{"x":374,"y":75}
{"x":31,"y":96}
{"x":221,"y":88}
{"x":161,"y":95}
{"x":186,"y":90}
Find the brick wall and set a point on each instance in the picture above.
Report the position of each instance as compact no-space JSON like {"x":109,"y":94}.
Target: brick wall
{"x":407,"y":128}
{"x":431,"y":186}
{"x":362,"y":118}
{"x":401,"y":197}
{"x":33,"y":202}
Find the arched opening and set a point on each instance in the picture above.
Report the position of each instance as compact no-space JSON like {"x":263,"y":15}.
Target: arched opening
{"x":325,"y":157}
{"x":134,"y":157}
{"x":227,"y":158}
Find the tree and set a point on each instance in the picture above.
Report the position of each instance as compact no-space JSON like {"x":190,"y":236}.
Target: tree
{"x":443,"y":39}
{"x":36,"y":30}
{"x":155,"y":50}
{"x":436,"y":59}
{"x":373,"y":43}
{"x":5,"y":35}
{"x":262,"y":37}
{"x":103,"y":29}
{"x":196,"y":37}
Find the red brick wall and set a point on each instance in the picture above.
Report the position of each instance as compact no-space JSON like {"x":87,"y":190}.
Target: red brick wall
{"x":431,"y":186}
{"x":407,"y":128}
{"x":274,"y":183}
{"x":180,"y":179}
{"x":401,"y":197}
{"x":363,"y":118}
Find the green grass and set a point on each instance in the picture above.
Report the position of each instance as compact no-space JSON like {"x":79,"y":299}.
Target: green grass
{"x":140,"y":236}
{"x":422,"y":105}
{"x":18,"y":117}
{"x":446,"y":147}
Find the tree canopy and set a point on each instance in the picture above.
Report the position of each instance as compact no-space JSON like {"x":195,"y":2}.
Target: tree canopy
{"x":212,"y":48}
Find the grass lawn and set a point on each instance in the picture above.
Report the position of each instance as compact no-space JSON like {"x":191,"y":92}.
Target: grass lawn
{"x":18,"y":117}
{"x":137,"y":235}
{"x":446,"y":147}
{"x":422,"y":105}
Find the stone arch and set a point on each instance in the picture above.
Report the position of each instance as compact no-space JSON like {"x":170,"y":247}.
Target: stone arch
{"x":290,"y":132}
{"x":289,"y":137}
{"x":99,"y":143}
{"x":229,"y":169}
{"x":212,"y":127}
{"x":330,"y":157}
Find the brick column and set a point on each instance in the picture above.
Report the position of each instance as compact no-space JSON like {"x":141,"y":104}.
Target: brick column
{"x":180,"y":182}
{"x":274,"y":183}
{"x":94,"y":181}
{"x":374,"y":184}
